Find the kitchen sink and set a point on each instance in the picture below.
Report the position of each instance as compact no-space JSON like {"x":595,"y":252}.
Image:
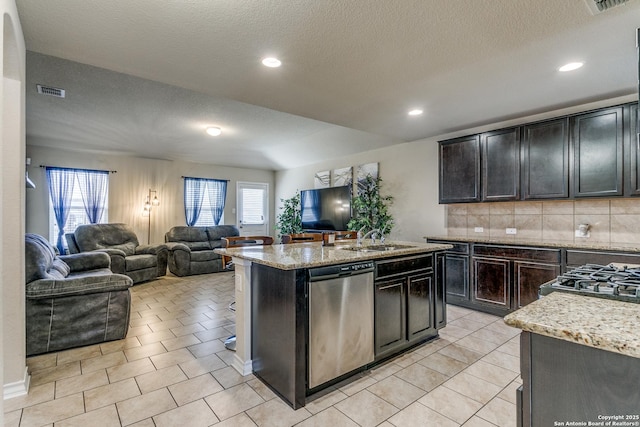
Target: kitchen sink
{"x":376,"y":248}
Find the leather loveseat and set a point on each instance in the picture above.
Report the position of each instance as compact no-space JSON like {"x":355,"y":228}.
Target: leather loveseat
{"x":128,"y":256}
{"x":72,"y":300}
{"x":191,"y":248}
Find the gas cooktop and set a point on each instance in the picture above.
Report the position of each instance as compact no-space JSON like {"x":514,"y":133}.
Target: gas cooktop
{"x":617,"y":282}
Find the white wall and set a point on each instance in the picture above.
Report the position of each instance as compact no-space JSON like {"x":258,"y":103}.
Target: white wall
{"x":128,"y":188}
{"x":13,"y":375}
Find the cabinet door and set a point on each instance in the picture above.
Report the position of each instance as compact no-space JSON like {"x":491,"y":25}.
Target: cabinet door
{"x":529,"y":277}
{"x":420,"y":316}
{"x":459,"y":163}
{"x":456,"y":273}
{"x":440,"y":306}
{"x":491,"y":282}
{"x":501,"y":165}
{"x":597,"y":139}
{"x":390,"y":323}
{"x":545,"y":160}
{"x":634,"y":152}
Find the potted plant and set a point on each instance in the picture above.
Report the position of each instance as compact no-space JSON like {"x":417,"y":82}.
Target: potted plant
{"x":371,"y":208}
{"x":289,"y":220}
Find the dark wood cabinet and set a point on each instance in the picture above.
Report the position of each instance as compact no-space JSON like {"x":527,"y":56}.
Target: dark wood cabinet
{"x":440,"y":308}
{"x":453,"y":272}
{"x":405,"y":304}
{"x":491,"y":283}
{"x":459,"y":170}
{"x":634,"y":152}
{"x":545,"y":160}
{"x":500,"y":165}
{"x":597,"y":144}
{"x":528,"y":278}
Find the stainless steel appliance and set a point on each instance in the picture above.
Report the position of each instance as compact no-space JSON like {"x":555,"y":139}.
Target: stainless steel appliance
{"x":618,"y":282}
{"x":340,"y":320}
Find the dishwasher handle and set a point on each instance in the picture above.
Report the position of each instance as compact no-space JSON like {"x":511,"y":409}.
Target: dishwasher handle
{"x":337,"y":271}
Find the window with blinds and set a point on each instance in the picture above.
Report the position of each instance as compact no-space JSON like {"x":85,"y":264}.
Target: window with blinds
{"x":253,"y":206}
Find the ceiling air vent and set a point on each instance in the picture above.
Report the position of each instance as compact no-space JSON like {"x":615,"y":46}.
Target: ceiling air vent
{"x":51,"y":91}
{"x":599,"y":6}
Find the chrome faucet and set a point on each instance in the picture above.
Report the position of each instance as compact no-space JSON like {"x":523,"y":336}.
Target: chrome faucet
{"x":359,"y":236}
{"x":373,"y":233}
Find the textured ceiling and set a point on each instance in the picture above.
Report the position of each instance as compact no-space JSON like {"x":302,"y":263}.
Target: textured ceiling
{"x":351,"y":70}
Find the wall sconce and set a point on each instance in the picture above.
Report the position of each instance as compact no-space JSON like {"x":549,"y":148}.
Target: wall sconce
{"x":146,"y":210}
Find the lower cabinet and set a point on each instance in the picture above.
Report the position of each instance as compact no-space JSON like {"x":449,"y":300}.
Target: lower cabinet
{"x":406,"y":309}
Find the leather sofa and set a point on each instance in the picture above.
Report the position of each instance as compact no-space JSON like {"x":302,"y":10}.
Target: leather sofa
{"x":128,"y":256}
{"x":191,"y":248}
{"x":73,"y":300}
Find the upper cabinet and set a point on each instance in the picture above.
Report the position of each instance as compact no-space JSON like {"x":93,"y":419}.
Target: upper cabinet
{"x":545,"y":160}
{"x":597,"y":139}
{"x":501,"y":165}
{"x":593,"y":154}
{"x":460,"y":170}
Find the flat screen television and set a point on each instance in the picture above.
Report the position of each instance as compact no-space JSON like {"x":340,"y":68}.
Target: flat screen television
{"x":325,"y":209}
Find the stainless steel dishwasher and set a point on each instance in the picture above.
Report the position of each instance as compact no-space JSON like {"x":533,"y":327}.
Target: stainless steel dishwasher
{"x":340,"y":320}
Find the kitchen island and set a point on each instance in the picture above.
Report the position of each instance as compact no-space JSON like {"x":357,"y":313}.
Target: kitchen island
{"x":580,"y":361}
{"x":273,"y":314}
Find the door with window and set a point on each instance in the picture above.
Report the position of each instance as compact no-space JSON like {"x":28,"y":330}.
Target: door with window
{"x":253,"y":208}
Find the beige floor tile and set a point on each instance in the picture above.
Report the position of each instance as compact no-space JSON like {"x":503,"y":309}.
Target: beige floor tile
{"x":467,"y":324}
{"x":119,"y":345}
{"x":171,"y":358}
{"x":473,"y":387}
{"x":139,"y":330}
{"x":275,"y":413}
{"x":453,"y":333}
{"x":144,"y":351}
{"x":143,"y":321}
{"x":155,"y":337}
{"x":511,"y":348}
{"x":194,"y":389}
{"x":180,"y":342}
{"x":52,"y":411}
{"x":130,"y":369}
{"x":463,"y":354}
{"x":509,"y":392}
{"x":261,"y":388}
{"x":418,"y":415}
{"x":366,"y":409}
{"x":499,"y":412}
{"x":110,"y":394}
{"x":383,"y":371}
{"x":12,"y":419}
{"x":396,"y":391}
{"x":145,"y":406}
{"x":55,"y":373}
{"x":75,"y":354}
{"x":324,"y":400}
{"x":476,"y":421}
{"x":504,"y":360}
{"x":231,"y":402}
{"x":194,"y":414}
{"x":163,"y":326}
{"x":443,"y":364}
{"x":103,"y":417}
{"x":492,"y":373}
{"x":212,"y":334}
{"x":161,"y":378}
{"x":186,"y":330}
{"x":408,"y":359}
{"x":451,"y":404}
{"x":43,"y":361}
{"x":80,"y":383}
{"x":191,"y":319}
{"x":228,"y":377}
{"x":240,"y":420}
{"x":479,"y":345}
{"x":197,"y":367}
{"x":329,"y":417}
{"x":503,"y":328}
{"x":492,"y":335}
{"x":356,"y":384}
{"x":422,"y":377}
{"x":103,"y":362}
{"x":206,"y":348}
{"x":37,"y":394}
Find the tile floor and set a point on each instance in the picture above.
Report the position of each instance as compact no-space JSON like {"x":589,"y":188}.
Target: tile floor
{"x":173,"y":370}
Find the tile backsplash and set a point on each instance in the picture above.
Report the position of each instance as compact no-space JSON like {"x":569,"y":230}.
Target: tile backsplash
{"x":613,"y":222}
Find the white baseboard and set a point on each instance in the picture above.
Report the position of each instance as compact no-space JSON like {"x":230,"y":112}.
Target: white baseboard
{"x":18,"y":388}
{"x":243,"y":367}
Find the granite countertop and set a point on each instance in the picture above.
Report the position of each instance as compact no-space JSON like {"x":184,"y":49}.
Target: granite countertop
{"x":538,"y":243}
{"x":307,"y":255}
{"x":594,"y":322}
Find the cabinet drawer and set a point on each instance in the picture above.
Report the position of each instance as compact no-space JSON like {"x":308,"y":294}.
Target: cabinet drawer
{"x":458,"y":247}
{"x":394,"y":266}
{"x":578,"y":258}
{"x":531,"y":254}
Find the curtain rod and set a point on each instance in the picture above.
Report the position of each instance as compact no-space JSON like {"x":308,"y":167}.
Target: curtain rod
{"x":92,"y":170}
{"x":211,"y":179}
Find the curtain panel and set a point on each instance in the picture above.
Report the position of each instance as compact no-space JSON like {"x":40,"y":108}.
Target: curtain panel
{"x":194,"y":192}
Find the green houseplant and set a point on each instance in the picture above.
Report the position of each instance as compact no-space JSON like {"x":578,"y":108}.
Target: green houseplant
{"x":371,"y":208}
{"x":289,"y":220}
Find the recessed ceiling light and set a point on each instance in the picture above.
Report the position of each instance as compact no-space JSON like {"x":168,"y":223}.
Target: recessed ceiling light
{"x":271,"y":62}
{"x":214,"y":131}
{"x":415,"y":112}
{"x":571,"y":66}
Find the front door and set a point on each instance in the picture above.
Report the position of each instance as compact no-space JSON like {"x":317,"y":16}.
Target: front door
{"x":253,"y":208}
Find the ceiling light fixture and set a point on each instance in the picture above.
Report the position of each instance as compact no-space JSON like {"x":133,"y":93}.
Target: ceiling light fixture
{"x":571,"y":66}
{"x":214,"y":131}
{"x":415,"y":112}
{"x":271,"y":62}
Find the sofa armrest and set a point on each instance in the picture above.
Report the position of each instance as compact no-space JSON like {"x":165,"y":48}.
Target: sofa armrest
{"x":87,"y":261}
{"x":177,"y":246}
{"x":82,"y":285}
{"x":150,"y":249}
